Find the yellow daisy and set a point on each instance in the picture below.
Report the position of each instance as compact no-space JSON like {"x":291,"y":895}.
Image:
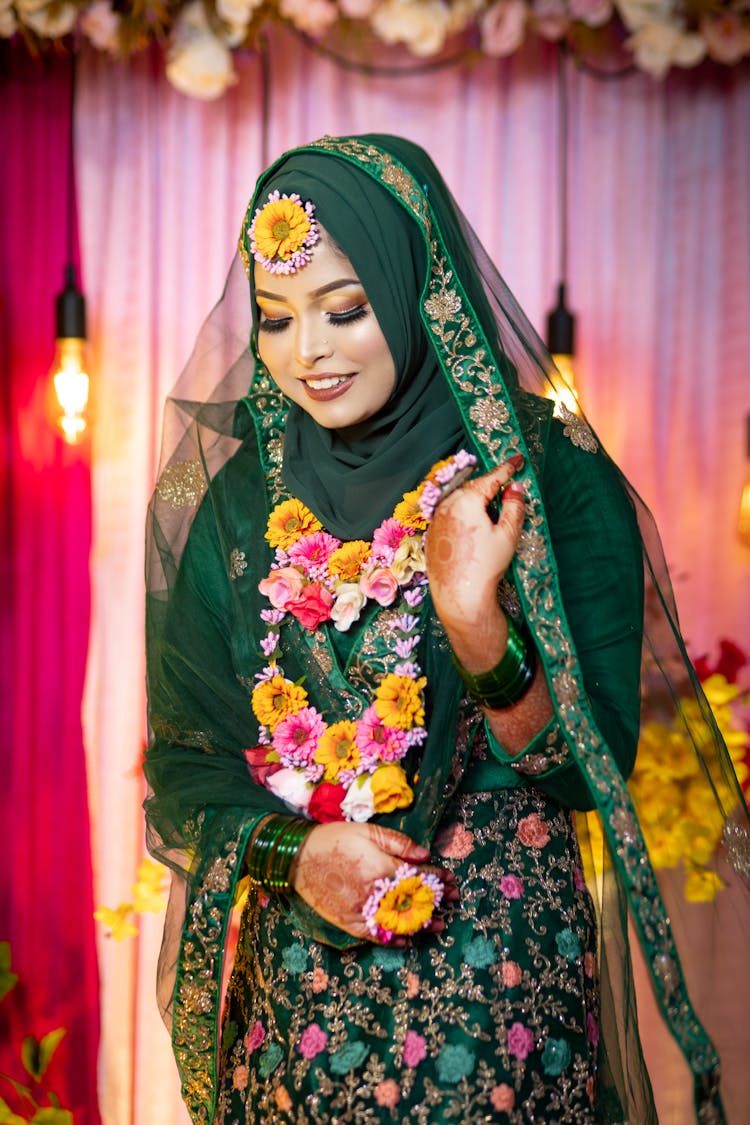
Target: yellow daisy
{"x":288,"y":522}
{"x":407,"y":511}
{"x":275,"y":699}
{"x":337,"y":750}
{"x":398,"y":702}
{"x":406,"y":908}
{"x":346,"y":561}
{"x":280,"y":228}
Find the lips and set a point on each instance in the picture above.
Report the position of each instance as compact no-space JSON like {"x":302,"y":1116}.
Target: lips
{"x":325,"y":387}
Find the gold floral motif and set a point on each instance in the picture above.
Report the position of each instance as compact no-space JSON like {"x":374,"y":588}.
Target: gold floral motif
{"x":566,"y":689}
{"x":574,"y":428}
{"x":183,"y":484}
{"x":237,"y":563}
{"x":555,"y":753}
{"x":489,"y":414}
{"x":443,"y":306}
{"x":532,"y":550}
{"x":401,"y":180}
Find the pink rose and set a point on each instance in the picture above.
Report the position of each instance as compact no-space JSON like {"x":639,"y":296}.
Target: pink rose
{"x":502,"y":27}
{"x":388,"y":1093}
{"x":520,"y":1041}
{"x":511,"y":886}
{"x":291,"y":786}
{"x":282,"y":586}
{"x":379,"y":584}
{"x":415,"y":1048}
{"x":532,"y":831}
{"x":255,"y":1037}
{"x":325,"y":803}
{"x":313,"y":606}
{"x":503,"y":1098}
{"x":454,"y":842}
{"x":511,"y":974}
{"x":312,"y":1041}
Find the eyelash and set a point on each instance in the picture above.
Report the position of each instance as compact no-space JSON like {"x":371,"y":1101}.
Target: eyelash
{"x":278,"y":324}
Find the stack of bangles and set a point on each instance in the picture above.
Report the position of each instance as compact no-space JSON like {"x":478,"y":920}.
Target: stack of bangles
{"x":273,"y":849}
{"x":511,"y":677}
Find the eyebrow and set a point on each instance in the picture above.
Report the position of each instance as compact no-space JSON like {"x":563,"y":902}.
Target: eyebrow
{"x":340,"y":283}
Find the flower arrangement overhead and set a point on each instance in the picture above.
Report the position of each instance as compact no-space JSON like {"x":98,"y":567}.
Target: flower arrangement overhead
{"x":201,"y":37}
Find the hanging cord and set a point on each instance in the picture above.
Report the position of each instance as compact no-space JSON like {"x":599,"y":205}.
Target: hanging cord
{"x":265,"y":97}
{"x":562,"y":160}
{"x":71,"y":208}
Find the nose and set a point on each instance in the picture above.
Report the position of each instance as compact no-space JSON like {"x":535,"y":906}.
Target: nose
{"x":310,"y":342}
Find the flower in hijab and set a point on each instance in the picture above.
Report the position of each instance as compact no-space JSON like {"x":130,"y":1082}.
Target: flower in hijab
{"x":398,"y":702}
{"x":408,"y":513}
{"x":296,"y":736}
{"x":390,"y":789}
{"x":274,"y":700}
{"x":345,"y":564}
{"x":288,"y":522}
{"x":337,"y":750}
{"x":378,"y":743}
{"x":283,"y":233}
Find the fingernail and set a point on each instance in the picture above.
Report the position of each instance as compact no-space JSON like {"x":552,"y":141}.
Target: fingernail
{"x":516,"y":487}
{"x":516,"y":460}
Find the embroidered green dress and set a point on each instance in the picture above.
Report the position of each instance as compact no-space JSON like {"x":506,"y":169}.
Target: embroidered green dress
{"x":521,"y":1009}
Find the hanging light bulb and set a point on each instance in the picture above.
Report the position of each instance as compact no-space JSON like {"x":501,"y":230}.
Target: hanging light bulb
{"x":69,"y":374}
{"x":743,"y":523}
{"x":561,"y":327}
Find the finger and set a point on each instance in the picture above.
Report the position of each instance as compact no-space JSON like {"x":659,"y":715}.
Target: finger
{"x":512,"y":510}
{"x":397,"y":844}
{"x":489,"y":485}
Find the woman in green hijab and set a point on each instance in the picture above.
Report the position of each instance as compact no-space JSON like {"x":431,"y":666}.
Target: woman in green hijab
{"x":378,"y":689}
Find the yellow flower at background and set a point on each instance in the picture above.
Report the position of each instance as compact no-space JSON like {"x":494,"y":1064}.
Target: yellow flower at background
{"x":276,"y":699}
{"x":116,"y":920}
{"x":288,"y":522}
{"x":407,"y":511}
{"x":390,"y":789}
{"x":398,"y":702}
{"x":337,"y":750}
{"x":346,"y":561}
{"x":281,"y":228}
{"x":702,"y":886}
{"x":150,"y":888}
{"x":406,"y":907}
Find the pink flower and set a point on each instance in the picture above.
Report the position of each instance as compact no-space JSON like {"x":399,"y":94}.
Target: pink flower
{"x":311,"y":16}
{"x":282,"y":586}
{"x":291,"y":786}
{"x":412,"y":985}
{"x":589,"y":964}
{"x":578,"y":879}
{"x":592,"y":1029}
{"x":511,"y":886}
{"x":296,"y":737}
{"x":728,"y":40}
{"x":415,"y":1048}
{"x":511,"y":974}
{"x":255,"y":1037}
{"x":319,"y":979}
{"x":532,"y":831}
{"x":379,"y":584}
{"x":312,"y":1041}
{"x":388,"y":1093}
{"x":378,"y":743}
{"x":551,"y":18}
{"x":502,"y":1097}
{"x":454,"y":842}
{"x":239,"y":1078}
{"x":520,"y":1041}
{"x":357,"y":10}
{"x":595,"y":13}
{"x":386,"y":539}
{"x":312,"y":552}
{"x":312,"y":607}
{"x":502,"y":27}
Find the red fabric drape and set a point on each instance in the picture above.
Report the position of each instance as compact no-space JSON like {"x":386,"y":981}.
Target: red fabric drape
{"x":46,"y":892}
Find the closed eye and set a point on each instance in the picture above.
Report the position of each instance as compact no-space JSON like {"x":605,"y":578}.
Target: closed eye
{"x":273,"y":324}
{"x":348,"y":316}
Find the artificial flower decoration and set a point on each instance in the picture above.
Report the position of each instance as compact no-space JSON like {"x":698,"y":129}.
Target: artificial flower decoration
{"x":402,"y":905}
{"x":283,"y":233}
{"x":352,"y":768}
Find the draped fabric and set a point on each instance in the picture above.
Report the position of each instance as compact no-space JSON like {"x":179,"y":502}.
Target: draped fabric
{"x":46,"y":900}
{"x":658,"y":273}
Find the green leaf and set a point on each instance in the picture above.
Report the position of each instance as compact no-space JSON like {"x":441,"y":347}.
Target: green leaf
{"x":52,"y":1117}
{"x":7,"y":978}
{"x":30,"y":1057}
{"x":8,"y":1117}
{"x":47,"y":1047}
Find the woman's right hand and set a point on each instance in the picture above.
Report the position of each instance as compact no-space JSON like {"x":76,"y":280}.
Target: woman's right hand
{"x":338,"y":863}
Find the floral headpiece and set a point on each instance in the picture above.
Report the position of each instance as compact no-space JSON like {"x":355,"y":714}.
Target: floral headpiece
{"x":283,"y":233}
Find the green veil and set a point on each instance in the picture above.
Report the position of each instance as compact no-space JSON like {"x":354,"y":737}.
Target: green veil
{"x":472,"y":373}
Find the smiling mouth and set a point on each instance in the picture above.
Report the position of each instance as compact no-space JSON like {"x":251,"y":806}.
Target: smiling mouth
{"x":326,"y":382}
{"x":327,"y":386}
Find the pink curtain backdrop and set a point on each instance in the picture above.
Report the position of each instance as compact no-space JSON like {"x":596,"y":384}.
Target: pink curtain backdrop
{"x":46,"y":896}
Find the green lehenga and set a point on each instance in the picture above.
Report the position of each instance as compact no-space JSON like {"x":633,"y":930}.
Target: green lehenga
{"x":499,"y":1013}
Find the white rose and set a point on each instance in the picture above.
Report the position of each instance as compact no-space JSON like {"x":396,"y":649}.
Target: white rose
{"x":357,"y":9}
{"x":660,"y":45}
{"x":359,"y":804}
{"x":8,"y":23}
{"x":311,"y":16}
{"x":347,"y":606}
{"x":409,"y":559}
{"x":292,"y":787}
{"x":102,"y":26}
{"x":199,"y":64}
{"x":35,"y":14}
{"x":421,"y":24}
{"x":640,"y":13}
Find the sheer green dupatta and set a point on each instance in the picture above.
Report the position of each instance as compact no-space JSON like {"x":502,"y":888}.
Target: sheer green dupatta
{"x":474,"y":362}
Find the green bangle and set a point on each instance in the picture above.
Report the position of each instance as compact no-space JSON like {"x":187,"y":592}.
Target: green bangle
{"x":511,"y":678}
{"x":273,"y":849}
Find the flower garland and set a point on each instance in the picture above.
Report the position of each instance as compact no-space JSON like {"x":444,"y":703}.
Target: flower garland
{"x":349,"y":769}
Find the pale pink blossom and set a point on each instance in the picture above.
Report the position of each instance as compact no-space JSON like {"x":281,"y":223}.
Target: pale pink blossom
{"x":421,"y":24}
{"x":550,"y":18}
{"x":311,"y":16}
{"x":282,"y":586}
{"x":726,"y":36}
{"x":312,"y":1041}
{"x":388,"y":1093}
{"x":101,"y":26}
{"x":359,"y":804}
{"x":658,"y":46}
{"x":502,"y":27}
{"x":357,"y":9}
{"x":511,"y":974}
{"x":198,"y":63}
{"x":454,"y":842}
{"x":319,"y":979}
{"x":594,"y":13}
{"x":291,"y":786}
{"x":415,"y":1048}
{"x":532,"y":831}
{"x":347,"y":605}
{"x":379,"y":584}
{"x":503,"y":1098}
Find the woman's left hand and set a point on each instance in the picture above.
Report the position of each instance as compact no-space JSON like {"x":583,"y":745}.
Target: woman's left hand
{"x":467,"y":556}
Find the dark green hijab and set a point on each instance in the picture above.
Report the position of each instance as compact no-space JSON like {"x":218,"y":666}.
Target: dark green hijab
{"x":352,"y":478}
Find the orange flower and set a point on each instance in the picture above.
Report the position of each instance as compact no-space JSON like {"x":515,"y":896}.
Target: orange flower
{"x":346,"y":561}
{"x":288,"y":522}
{"x":281,"y":228}
{"x":407,"y":511}
{"x":276,"y":699}
{"x":398,"y":702}
{"x":337,"y":750}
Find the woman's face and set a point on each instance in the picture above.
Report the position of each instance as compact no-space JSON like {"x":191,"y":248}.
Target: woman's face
{"x":321,"y":342}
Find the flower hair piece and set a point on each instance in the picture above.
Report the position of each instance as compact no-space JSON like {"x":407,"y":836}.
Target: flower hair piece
{"x":402,"y":905}
{"x":283,"y":233}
